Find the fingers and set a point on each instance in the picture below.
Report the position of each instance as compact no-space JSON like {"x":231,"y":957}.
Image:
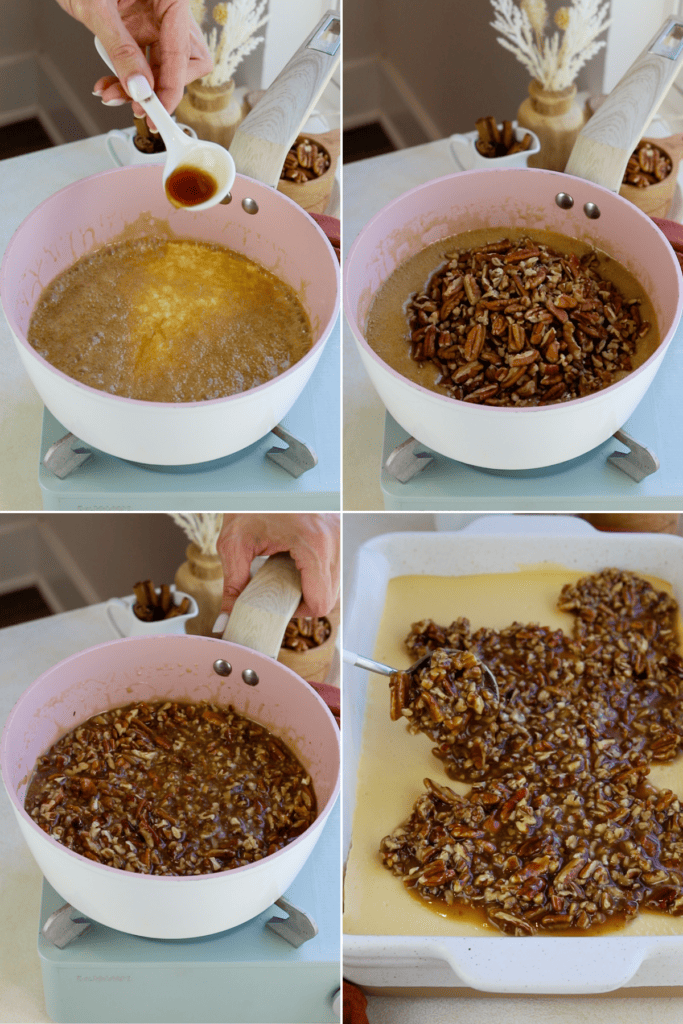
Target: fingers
{"x":316,"y":553}
{"x":311,"y":539}
{"x":123,"y":51}
{"x":237,"y":554}
{"x":109,"y":88}
{"x":180,"y":55}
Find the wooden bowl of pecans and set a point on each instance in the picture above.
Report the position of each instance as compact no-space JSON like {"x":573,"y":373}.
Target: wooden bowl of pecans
{"x":308,"y":646}
{"x":651,"y":175}
{"x":307,"y":176}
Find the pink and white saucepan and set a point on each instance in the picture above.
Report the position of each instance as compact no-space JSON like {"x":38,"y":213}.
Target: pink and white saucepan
{"x":529,"y":437}
{"x":281,"y":237}
{"x":154,"y":668}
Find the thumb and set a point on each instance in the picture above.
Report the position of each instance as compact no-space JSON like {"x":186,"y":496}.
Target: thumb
{"x":124,"y":53}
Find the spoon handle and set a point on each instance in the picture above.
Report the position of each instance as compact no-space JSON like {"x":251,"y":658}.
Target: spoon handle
{"x":152,"y":105}
{"x":367,"y":663}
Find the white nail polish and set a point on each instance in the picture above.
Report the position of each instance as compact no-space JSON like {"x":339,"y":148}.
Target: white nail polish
{"x":98,"y":92}
{"x":220,"y":623}
{"x":138,"y":88}
{"x":114,"y":103}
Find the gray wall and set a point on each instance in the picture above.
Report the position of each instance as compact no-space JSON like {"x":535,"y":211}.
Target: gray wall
{"x":111,"y":551}
{"x":447,"y":54}
{"x":116,"y":550}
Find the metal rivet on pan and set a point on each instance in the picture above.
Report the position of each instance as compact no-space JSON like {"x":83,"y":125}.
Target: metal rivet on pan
{"x":250,"y":677}
{"x":591,"y":210}
{"x":226,"y":199}
{"x":564,"y":200}
{"x":222,"y":668}
{"x":250,"y":206}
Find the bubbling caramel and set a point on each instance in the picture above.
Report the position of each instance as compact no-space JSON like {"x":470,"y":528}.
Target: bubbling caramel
{"x":167,"y":320}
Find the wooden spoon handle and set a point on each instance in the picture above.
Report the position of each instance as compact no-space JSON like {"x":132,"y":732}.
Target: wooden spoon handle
{"x":262,"y":141}
{"x":265,"y":606}
{"x":607,"y":140}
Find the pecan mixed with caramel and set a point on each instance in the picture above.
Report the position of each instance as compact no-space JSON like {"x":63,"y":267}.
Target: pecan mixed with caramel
{"x":560,"y":830}
{"x":517,"y":323}
{"x":171,"y":789}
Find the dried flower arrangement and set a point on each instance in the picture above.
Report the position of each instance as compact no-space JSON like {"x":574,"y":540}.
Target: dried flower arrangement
{"x":232,"y":34}
{"x":553,"y":61}
{"x":202,"y":528}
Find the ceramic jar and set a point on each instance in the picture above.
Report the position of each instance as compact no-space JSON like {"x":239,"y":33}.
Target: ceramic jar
{"x":213,"y":111}
{"x":201,"y":576}
{"x":556,"y":118}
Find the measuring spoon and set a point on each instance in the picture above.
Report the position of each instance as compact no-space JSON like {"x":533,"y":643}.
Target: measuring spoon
{"x":194,"y":168}
{"x":386,"y":670}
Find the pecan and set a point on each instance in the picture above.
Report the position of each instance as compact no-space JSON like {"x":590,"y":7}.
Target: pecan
{"x":304,"y":161}
{"x":506,"y":299}
{"x":475,"y":342}
{"x":303,"y":634}
{"x":647,"y":165}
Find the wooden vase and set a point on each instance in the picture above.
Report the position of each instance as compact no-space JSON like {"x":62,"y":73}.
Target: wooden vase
{"x":201,"y":576}
{"x":557,"y":119}
{"x":314,"y":664}
{"x":213,"y":111}
{"x":314,"y":195}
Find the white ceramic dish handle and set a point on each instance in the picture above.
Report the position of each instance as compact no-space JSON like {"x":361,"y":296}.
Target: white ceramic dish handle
{"x":556,"y":965}
{"x":265,"y":606}
{"x":604,"y":145}
{"x":262,"y":141}
{"x":525,"y":526}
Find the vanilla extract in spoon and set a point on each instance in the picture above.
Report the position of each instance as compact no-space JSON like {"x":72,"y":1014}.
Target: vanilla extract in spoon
{"x":189,"y":186}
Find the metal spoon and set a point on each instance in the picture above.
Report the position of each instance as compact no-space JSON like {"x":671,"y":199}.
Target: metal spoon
{"x":386,"y":670}
{"x":182,"y":151}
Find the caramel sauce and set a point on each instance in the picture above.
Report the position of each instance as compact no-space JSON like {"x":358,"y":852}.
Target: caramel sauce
{"x":462,"y":916}
{"x":188,"y":186}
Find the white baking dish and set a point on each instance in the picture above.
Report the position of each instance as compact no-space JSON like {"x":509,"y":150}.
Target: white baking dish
{"x":499,"y":543}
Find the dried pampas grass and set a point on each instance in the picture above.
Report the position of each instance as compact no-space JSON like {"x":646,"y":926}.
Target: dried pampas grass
{"x":553,"y":61}
{"x":231,"y":34}
{"x":202,"y":528}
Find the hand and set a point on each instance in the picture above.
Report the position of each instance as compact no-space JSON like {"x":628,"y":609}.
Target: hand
{"x":177,"y":51}
{"x":312,"y":539}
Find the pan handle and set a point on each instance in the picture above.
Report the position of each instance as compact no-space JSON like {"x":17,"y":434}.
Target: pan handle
{"x":262,"y":141}
{"x":265,"y":606}
{"x":607,"y":140}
